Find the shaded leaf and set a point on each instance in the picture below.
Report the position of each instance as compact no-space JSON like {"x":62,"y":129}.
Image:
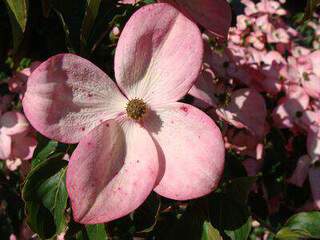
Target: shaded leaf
{"x":40,"y":219}
{"x":311,"y":7}
{"x":18,"y":12}
{"x":209,"y":232}
{"x":96,"y":232}
{"x":66,"y":31}
{"x":240,"y":188}
{"x":229,"y":211}
{"x":242,"y":232}
{"x":188,"y":222}
{"x":89,"y":20}
{"x":301,"y":225}
{"x":146,"y":216}
{"x":44,"y":149}
{"x":45,"y":194}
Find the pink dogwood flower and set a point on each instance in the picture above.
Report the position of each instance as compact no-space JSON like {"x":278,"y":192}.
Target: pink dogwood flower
{"x":271,"y":7}
{"x":15,"y":143}
{"x":244,"y":143}
{"x":290,"y":107}
{"x":246,"y":109}
{"x":134,"y":136}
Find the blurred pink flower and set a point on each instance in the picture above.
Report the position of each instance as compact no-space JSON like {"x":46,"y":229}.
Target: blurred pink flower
{"x":15,"y":143}
{"x":14,"y":164}
{"x":246,"y":109}
{"x":279,"y":35}
{"x":290,"y":107}
{"x":250,"y":8}
{"x":270,"y":7}
{"x":17,"y":83}
{"x":134,"y":140}
{"x":244,"y":143}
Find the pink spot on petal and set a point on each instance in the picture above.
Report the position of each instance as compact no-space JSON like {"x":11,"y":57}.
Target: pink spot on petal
{"x":83,"y":129}
{"x":90,"y":95}
{"x":184,"y":108}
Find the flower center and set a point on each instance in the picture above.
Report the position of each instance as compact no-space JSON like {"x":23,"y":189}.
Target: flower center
{"x":136,"y":109}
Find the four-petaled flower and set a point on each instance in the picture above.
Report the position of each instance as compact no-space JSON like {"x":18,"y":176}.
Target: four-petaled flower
{"x":138,"y":138}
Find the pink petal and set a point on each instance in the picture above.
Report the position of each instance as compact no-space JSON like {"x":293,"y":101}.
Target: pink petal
{"x":111,"y":172}
{"x":158,"y":60}
{"x":12,"y":123}
{"x":301,"y":172}
{"x":14,"y":164}
{"x":314,"y":178}
{"x":34,"y":65}
{"x":5,"y":146}
{"x":203,"y":89}
{"x":191,"y":148}
{"x":309,"y":120}
{"x":23,"y":147}
{"x":12,"y":237}
{"x":67,"y":96}
{"x":286,"y":113}
{"x":312,"y":86}
{"x":313,"y":143}
{"x":214,"y":15}
{"x":244,"y":143}
{"x":246,"y":109}
{"x":314,"y":57}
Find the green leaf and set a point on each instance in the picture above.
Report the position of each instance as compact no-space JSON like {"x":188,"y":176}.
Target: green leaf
{"x":209,"y":232}
{"x":188,"y":224}
{"x":240,"y":188}
{"x":301,"y":225}
{"x":66,"y":30}
{"x":242,"y":232}
{"x":229,"y":211}
{"x":40,"y":220}
{"x":54,"y":197}
{"x":89,"y":20}
{"x":44,"y":149}
{"x":18,"y":12}
{"x":96,"y":232}
{"x":46,"y":197}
